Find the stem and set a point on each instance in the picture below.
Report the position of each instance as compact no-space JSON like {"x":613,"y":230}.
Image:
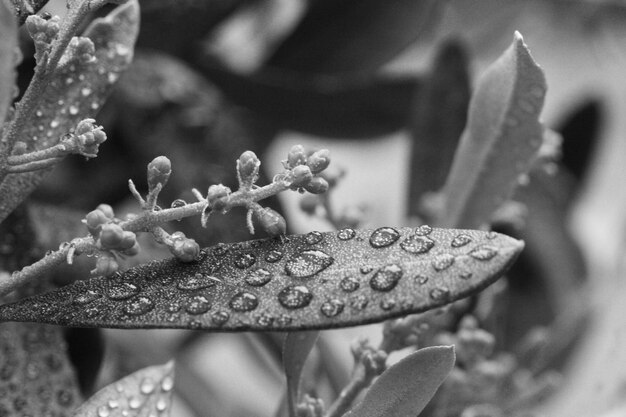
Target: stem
{"x":359,"y":381}
{"x":55,"y":151}
{"x":32,"y":166}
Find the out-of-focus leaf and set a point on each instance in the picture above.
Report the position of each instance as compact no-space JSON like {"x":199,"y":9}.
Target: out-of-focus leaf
{"x":439,"y":118}
{"x":144,"y":393}
{"x":300,"y":282}
{"x":77,"y":91}
{"x":8,"y":43}
{"x":501,"y":140}
{"x":343,"y":35}
{"x":407,"y":386}
{"x":296,"y":349}
{"x":24,"y":8}
{"x":325,"y":106}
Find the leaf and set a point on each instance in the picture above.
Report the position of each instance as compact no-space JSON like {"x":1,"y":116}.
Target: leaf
{"x":76,"y":92}
{"x":438,"y":121}
{"x":36,"y":377}
{"x":300,"y":282}
{"x":144,"y":393}
{"x":342,"y":36}
{"x":501,"y":140}
{"x":326,"y":106}
{"x":406,"y":387}
{"x":8,"y":44}
{"x":296,"y":350}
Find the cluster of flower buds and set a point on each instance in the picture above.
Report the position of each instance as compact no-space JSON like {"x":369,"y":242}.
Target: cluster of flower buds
{"x":183,"y":248}
{"x":271,"y":221}
{"x":81,"y":50}
{"x":248,"y":169}
{"x":304,"y":169}
{"x":373,"y":360}
{"x":86,"y":138}
{"x":310,"y":407}
{"x":472,"y":343}
{"x":43,"y":31}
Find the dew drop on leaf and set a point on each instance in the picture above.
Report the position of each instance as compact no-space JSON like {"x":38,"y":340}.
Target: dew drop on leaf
{"x":258,"y":278}
{"x":264,"y":320}
{"x":196,"y":282}
{"x":122,"y":291}
{"x":366,"y":269}
{"x":86,"y":298}
{"x":423,"y":230}
{"x":349,"y":284}
{"x":417,"y":244}
{"x":220,"y":317}
{"x":387,"y":304}
{"x":283,"y":320}
{"x":332,"y":308}
{"x":383,"y":237}
{"x":103,"y":411}
{"x":460,"y":240}
{"x":161,"y":404}
{"x":273,"y":256}
{"x":244,"y":301}
{"x":179,"y":202}
{"x":483,"y":253}
{"x":346,"y":234}
{"x":139,"y":306}
{"x":295,"y":296}
{"x":443,"y":261}
{"x":386,"y":278}
{"x":359,"y":302}
{"x":197,"y":304}
{"x":314,"y":237}
{"x":439,"y":293}
{"x":465,"y":275}
{"x":308,"y":263}
{"x":135,"y":402}
{"x":244,"y":260}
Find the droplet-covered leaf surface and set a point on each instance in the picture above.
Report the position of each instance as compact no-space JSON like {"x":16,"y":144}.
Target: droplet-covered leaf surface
{"x":286,"y":283}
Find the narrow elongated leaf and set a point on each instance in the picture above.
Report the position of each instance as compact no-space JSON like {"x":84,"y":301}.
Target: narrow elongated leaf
{"x":296,"y":350}
{"x":8,"y":43}
{"x":77,"y":91}
{"x":147,"y":392}
{"x":501,"y":140}
{"x":407,"y":386}
{"x":300,"y":282}
{"x":36,"y":378}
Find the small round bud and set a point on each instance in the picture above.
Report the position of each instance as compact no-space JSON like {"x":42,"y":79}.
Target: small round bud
{"x":111,"y":236}
{"x":129,"y":239}
{"x":309,"y":203}
{"x":84,"y":126}
{"x":178,"y":235}
{"x":94,"y":220}
{"x":296,"y":156}
{"x":159,"y":171}
{"x":301,"y":176}
{"x":317,"y":185}
{"x":216,"y":196}
{"x":271,"y":221}
{"x":105,"y":265}
{"x":319,"y":161}
{"x":248,"y":168}
{"x":107,"y":210}
{"x":185,"y":250}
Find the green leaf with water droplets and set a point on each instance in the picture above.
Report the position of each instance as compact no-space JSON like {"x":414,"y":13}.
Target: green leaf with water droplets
{"x":406,"y":387}
{"x":147,"y":392}
{"x":76,"y":91}
{"x":300,"y":282}
{"x":500,"y":141}
{"x":36,"y":377}
{"x":8,"y":43}
{"x":296,"y":350}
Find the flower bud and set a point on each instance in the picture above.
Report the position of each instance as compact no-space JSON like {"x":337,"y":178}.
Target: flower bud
{"x":248,"y":168}
{"x":296,"y":156}
{"x":178,"y":235}
{"x":84,"y":126}
{"x":301,"y":176}
{"x":271,"y":221}
{"x":111,"y":235}
{"x":94,"y":220}
{"x":105,"y":265}
{"x":317,"y":185}
{"x":159,"y":171}
{"x":216,"y":196}
{"x":319,"y":161}
{"x":107,"y":210}
{"x":129,"y":239}
{"x":185,"y":250}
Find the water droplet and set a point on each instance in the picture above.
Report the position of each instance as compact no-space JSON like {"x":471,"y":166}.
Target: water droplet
{"x":273,"y":256}
{"x":439,"y":293}
{"x":39,"y":113}
{"x":283,"y":320}
{"x":423,"y":230}
{"x":295,"y":296}
{"x":196,"y":282}
{"x":112,"y":77}
{"x":95,"y":105}
{"x":122,"y":291}
{"x":346,"y":234}
{"x":220,"y":317}
{"x":69,"y":80}
{"x":179,"y":202}
{"x":421,"y":279}
{"x":308,"y":263}
{"x":87,"y":297}
{"x":332,"y":308}
{"x":383,"y":237}
{"x":198,"y":304}
{"x":465,"y":275}
{"x":314,"y":237}
{"x":386,"y":278}
{"x":387,"y":304}
{"x":244,"y":301}
{"x":417,"y":244}
{"x":103,"y":411}
{"x":443,"y":261}
{"x":244,"y":260}
{"x":167,"y":383}
{"x":264,"y":320}
{"x":366,"y":269}
{"x":483,"y":253}
{"x":113,"y":404}
{"x":161,"y":404}
{"x":139,"y":306}
{"x":85,"y":91}
{"x":65,"y":397}
{"x":460,"y":240}
{"x":147,"y":386}
{"x":54,"y":123}
{"x":349,"y":284}
{"x":135,"y":402}
{"x":73,"y":110}
{"x":359,"y":302}
{"x":258,"y":278}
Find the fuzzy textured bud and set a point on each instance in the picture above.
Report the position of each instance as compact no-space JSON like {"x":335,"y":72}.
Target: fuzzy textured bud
{"x":81,"y":50}
{"x":105,"y":265}
{"x":271,"y":221}
{"x":296,"y":156}
{"x":301,"y":176}
{"x":159,"y":170}
{"x":87,"y":137}
{"x":216,"y":196}
{"x":43,"y":31}
{"x":319,"y":161}
{"x":107,"y":210}
{"x":94,"y":221}
{"x":111,"y":236}
{"x":185,"y":250}
{"x":317,"y":185}
{"x":248,"y":168}
{"x":129,"y":239}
